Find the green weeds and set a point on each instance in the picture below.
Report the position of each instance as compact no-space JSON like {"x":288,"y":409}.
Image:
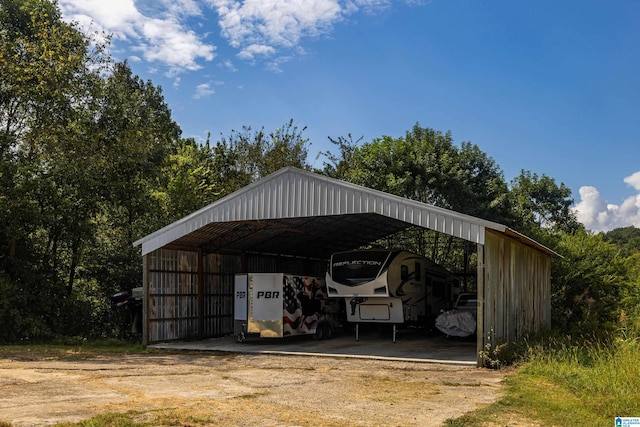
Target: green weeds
{"x":568,"y":382}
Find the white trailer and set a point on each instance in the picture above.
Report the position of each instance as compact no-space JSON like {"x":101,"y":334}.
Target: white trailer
{"x":390,"y":286}
{"x":277,"y":305}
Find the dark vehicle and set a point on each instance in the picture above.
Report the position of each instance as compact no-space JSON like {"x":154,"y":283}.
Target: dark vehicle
{"x":132,"y":302}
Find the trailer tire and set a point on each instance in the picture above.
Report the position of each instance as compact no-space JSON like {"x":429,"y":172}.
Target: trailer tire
{"x":328,"y":331}
{"x":319,"y":335}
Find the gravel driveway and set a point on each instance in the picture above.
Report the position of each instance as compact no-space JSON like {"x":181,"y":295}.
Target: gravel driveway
{"x":38,"y":389}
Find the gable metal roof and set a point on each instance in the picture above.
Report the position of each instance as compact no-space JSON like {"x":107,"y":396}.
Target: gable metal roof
{"x":295,"y":212}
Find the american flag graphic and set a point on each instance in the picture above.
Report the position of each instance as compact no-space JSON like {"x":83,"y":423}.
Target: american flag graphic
{"x":302,"y":300}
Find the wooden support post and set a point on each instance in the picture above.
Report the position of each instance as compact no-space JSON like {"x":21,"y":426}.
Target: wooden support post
{"x":200,"y":294}
{"x":145,"y":300}
{"x":480,"y":338}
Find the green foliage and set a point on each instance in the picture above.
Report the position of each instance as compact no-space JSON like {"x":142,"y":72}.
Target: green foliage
{"x":626,"y":238}
{"x":191,"y":181}
{"x":540,"y":206}
{"x":246,"y":156}
{"x":82,"y":147}
{"x":590,"y":286}
{"x":568,"y":381}
{"x":604,"y":377}
{"x":137,"y":137}
{"x":426,"y":166}
{"x":90,"y":161}
{"x":337,"y":166}
{"x":106,"y":420}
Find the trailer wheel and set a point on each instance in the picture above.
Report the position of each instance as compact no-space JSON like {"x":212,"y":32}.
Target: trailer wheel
{"x":319,"y":335}
{"x":328,"y":331}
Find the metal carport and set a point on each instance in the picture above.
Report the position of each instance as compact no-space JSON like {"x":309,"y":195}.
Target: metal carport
{"x":306,"y":216}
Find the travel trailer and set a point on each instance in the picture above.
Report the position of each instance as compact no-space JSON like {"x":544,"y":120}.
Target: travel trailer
{"x":276,"y":305}
{"x":390,"y":286}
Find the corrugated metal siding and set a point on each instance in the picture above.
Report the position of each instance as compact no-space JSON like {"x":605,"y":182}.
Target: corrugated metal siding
{"x":219,"y":271}
{"x":178,"y":308}
{"x":173,"y":295}
{"x":517,"y":289}
{"x":294,"y":193}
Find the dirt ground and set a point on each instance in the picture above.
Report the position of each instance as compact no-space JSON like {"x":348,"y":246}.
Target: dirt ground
{"x":38,"y":389}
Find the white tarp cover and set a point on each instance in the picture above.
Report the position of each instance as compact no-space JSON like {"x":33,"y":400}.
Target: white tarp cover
{"x":456,"y":323}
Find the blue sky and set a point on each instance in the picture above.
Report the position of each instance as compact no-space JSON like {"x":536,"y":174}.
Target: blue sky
{"x":552,"y":87}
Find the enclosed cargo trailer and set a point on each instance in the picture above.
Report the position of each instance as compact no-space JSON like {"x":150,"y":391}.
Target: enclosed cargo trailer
{"x":276,"y":305}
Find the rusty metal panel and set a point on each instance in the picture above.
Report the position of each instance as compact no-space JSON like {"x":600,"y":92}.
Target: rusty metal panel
{"x":172,"y":294}
{"x":219,"y":271}
{"x":173,"y":310}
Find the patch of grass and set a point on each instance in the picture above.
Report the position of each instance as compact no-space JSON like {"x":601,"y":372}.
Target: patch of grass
{"x":164,"y":417}
{"x":248,"y":396}
{"x":392,"y":391}
{"x":456,"y":384}
{"x":568,"y":384}
{"x":106,"y":420}
{"x":84,"y":350}
{"x":5,"y":424}
{"x":603,"y":376}
{"x":177,"y":418}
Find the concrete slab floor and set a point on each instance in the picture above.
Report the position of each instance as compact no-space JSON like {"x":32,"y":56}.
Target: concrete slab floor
{"x":410,"y":346}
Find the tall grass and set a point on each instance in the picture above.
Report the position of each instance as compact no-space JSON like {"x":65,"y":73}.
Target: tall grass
{"x":603,"y":375}
{"x":564,"y":381}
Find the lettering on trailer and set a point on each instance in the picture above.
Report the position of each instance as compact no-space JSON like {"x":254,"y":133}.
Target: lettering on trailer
{"x":241,"y":294}
{"x":268,"y":294}
{"x":356,"y":262}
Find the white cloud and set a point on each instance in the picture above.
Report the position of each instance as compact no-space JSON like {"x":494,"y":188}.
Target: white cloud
{"x":154,"y":30}
{"x":203,"y":90}
{"x":597,"y":215}
{"x":157,"y":30}
{"x":272,"y":24}
{"x":228,"y":65}
{"x":251,"y":51}
{"x":634,"y":180}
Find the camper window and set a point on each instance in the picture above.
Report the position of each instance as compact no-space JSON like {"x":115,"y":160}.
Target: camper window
{"x":404,"y":272}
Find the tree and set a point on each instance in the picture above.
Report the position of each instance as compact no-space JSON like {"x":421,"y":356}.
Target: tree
{"x":338,"y":166}
{"x":626,"y":238}
{"x":284,"y":147}
{"x":426,"y":166}
{"x":48,"y":75}
{"x":541,"y":206}
{"x":246,"y":155}
{"x":137,"y":136}
{"x":137,"y":140}
{"x":590,"y":284}
{"x":190,"y":180}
